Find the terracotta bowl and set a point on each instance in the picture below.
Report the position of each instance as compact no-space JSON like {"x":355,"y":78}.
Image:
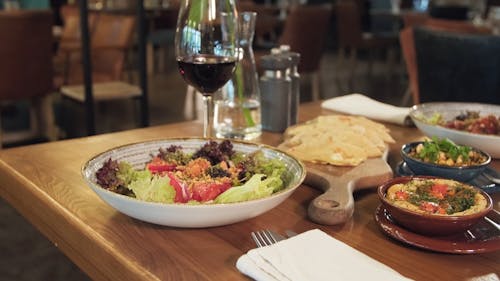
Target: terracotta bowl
{"x":429,"y":224}
{"x":459,"y":173}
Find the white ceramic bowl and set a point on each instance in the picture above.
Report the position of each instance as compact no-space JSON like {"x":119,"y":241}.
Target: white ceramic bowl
{"x":182,"y":215}
{"x":449,"y":110}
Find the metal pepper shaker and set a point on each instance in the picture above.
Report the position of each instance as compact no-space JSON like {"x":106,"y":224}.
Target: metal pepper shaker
{"x":295,"y":78}
{"x":294,"y":75}
{"x":275,"y":88}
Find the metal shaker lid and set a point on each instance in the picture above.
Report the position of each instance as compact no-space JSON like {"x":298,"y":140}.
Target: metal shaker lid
{"x":285,"y":48}
{"x":275,"y":51}
{"x":274,"y":62}
{"x":294,"y":57}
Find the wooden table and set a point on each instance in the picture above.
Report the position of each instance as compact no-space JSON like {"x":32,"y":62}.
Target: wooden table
{"x":44,"y":184}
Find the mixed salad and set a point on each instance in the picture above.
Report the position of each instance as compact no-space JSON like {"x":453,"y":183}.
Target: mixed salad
{"x":215,"y":173}
{"x":469,"y":121}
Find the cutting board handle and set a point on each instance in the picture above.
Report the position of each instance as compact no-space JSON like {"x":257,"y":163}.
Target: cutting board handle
{"x":336,"y":204}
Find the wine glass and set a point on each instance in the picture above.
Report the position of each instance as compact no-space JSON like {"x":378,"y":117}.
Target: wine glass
{"x":206,"y":48}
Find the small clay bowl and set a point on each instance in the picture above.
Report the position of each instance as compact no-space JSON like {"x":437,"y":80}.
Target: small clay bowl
{"x":430,"y":224}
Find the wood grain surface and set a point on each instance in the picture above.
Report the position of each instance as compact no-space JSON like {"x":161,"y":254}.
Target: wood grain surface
{"x":336,"y":204}
{"x":44,"y":184}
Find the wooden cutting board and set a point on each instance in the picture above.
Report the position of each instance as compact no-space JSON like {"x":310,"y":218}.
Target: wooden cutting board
{"x":336,"y":204}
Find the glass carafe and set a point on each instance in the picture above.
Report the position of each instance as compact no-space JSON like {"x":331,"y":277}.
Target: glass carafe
{"x":237,"y":111}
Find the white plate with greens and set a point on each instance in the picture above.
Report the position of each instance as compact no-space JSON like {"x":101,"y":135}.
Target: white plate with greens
{"x":147,"y":192}
{"x":431,"y":117}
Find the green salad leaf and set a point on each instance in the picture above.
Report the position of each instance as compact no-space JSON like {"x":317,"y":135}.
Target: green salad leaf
{"x":434,"y":119}
{"x":257,"y":163}
{"x":432,"y":148}
{"x":213,"y":174}
{"x":153,"y":189}
{"x":254,"y":188}
{"x":146,"y":186}
{"x":127,"y":174}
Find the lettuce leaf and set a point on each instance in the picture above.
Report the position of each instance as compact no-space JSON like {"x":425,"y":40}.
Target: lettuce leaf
{"x":257,"y":163}
{"x":254,"y":188}
{"x":146,"y":186}
{"x":127,"y":174}
{"x":155,"y":189}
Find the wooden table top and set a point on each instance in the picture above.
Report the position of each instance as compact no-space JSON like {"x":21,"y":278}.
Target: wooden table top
{"x":44,"y":184}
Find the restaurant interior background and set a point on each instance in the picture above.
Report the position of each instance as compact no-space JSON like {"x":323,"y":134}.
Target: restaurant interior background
{"x":379,"y":71}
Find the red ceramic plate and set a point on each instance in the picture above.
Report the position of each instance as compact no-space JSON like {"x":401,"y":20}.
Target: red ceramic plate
{"x":481,"y":238}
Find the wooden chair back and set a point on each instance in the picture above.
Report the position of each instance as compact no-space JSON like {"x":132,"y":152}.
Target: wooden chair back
{"x":26,"y":69}
{"x":25,"y":54}
{"x":349,"y":25}
{"x":414,"y":19}
{"x":407,"y":44}
{"x":304,"y":32}
{"x":111,"y":39}
{"x":113,"y":31}
{"x":71,"y":31}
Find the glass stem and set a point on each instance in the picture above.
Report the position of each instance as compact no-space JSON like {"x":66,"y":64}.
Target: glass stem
{"x":208,"y":118}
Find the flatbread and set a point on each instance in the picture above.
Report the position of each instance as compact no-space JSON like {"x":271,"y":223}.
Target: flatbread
{"x":340,"y":140}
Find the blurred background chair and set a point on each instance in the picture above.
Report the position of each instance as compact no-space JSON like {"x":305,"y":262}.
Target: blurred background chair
{"x":161,"y":34}
{"x":455,"y":26}
{"x":304,"y":31}
{"x":111,"y":40}
{"x":454,"y":66}
{"x":410,"y":57}
{"x":452,"y":10}
{"x":407,"y":43}
{"x":414,"y":19}
{"x":26,"y":70}
{"x":268,"y":23}
{"x":68,"y":55}
{"x":352,"y":38}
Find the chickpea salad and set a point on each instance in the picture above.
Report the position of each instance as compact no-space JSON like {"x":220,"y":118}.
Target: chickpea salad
{"x":445,"y":152}
{"x":215,"y":173}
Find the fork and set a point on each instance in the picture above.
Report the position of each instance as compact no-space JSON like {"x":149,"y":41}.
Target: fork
{"x":264,"y":238}
{"x":496,"y":225}
{"x":491,"y":177}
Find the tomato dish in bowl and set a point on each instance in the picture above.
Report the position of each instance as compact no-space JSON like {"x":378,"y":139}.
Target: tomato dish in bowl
{"x":434,"y":206}
{"x":472,"y":124}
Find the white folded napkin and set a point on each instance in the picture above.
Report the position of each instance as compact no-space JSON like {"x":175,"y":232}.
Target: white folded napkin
{"x":357,"y":104}
{"x":313,"y":255}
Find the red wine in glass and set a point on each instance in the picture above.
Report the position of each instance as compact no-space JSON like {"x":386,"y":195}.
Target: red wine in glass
{"x":206,"y":48}
{"x":207,"y":73}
